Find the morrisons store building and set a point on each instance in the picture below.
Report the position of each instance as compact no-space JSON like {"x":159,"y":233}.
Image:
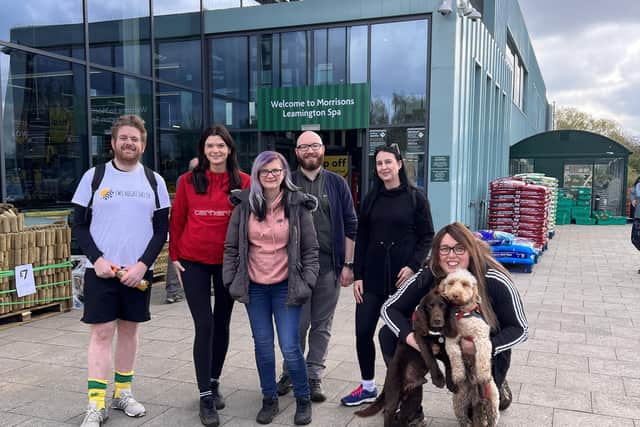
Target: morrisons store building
{"x":453,"y":90}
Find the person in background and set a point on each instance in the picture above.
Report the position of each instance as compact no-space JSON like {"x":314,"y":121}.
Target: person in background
{"x":335,"y":223}
{"x":635,"y":228}
{"x":120,"y":222}
{"x":172,"y":284}
{"x":455,"y":247}
{"x":271,"y":265}
{"x":198,"y":227}
{"x":394,"y":236}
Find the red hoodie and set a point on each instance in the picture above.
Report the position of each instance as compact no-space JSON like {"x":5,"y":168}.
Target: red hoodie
{"x":199,"y":222}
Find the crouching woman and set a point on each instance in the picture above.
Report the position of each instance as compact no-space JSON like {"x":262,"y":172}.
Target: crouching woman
{"x":270,"y":265}
{"x":455,"y":247}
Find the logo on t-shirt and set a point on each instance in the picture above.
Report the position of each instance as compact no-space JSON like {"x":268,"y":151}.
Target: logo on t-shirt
{"x":106,"y":194}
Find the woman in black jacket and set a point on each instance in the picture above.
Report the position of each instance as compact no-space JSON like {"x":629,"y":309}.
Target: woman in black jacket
{"x":455,"y":247}
{"x":394,"y":236}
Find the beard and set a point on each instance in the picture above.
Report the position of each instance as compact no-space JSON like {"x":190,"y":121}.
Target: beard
{"x":132,"y":153}
{"x":311,"y":161}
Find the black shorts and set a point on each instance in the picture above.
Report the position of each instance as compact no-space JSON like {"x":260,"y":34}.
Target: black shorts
{"x":106,"y":300}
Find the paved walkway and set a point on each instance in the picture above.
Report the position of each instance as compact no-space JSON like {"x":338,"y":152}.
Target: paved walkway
{"x":580,"y":367}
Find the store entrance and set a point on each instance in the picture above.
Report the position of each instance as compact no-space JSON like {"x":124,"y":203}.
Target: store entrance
{"x":343,"y":153}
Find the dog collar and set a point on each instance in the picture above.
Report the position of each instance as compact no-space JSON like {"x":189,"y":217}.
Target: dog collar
{"x":473,"y":313}
{"x":437,"y":334}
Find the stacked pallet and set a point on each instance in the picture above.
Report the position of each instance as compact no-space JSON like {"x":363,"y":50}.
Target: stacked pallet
{"x":552,"y":184}
{"x":47,"y":249}
{"x":521,"y":208}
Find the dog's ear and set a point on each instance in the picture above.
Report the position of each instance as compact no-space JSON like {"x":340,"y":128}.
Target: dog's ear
{"x":420,"y":323}
{"x":451,"y":322}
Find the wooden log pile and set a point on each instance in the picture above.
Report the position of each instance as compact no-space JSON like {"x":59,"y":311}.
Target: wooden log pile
{"x":46,"y":248}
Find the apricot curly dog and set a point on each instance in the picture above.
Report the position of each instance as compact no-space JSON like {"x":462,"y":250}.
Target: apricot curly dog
{"x":478,"y":394}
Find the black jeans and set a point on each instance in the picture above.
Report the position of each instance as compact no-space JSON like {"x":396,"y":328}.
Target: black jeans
{"x":212,"y":327}
{"x":367,"y":315}
{"x":499,"y":363}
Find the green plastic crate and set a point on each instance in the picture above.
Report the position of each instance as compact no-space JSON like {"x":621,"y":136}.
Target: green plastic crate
{"x":585,"y":221}
{"x":613,"y":220}
{"x":580,"y":212}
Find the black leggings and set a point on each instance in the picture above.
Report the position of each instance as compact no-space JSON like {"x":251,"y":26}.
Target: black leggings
{"x":499,"y":363}
{"x":212,"y":329}
{"x":367,"y":315}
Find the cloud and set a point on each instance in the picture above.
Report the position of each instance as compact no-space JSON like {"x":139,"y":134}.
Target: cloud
{"x":589,"y":60}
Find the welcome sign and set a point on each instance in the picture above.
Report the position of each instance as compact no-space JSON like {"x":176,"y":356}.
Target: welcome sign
{"x":313,"y":107}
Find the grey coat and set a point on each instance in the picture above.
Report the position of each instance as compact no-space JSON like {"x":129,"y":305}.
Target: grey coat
{"x":302,"y":248}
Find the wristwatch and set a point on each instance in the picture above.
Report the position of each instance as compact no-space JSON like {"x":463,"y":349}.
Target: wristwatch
{"x":348,"y":265}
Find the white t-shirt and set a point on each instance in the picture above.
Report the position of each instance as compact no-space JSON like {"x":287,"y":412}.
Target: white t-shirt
{"x":122,"y":211}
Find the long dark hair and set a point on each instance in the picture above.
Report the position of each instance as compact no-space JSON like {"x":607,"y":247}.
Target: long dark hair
{"x":199,"y":175}
{"x":377,"y":185}
{"x":480,"y":260}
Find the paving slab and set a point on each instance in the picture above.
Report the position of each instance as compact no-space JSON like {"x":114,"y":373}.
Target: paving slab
{"x":579,"y":368}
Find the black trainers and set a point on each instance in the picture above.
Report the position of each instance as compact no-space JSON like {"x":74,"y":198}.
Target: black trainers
{"x":303,"y":412}
{"x":505,"y":396}
{"x":269,"y":410}
{"x":317,"y":393}
{"x":218,"y":398}
{"x":208,"y":413}
{"x":284,"y":384}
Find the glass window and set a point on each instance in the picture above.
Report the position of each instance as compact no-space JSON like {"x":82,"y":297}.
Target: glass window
{"x":358,"y":45}
{"x":179,"y":62}
{"x":321,"y":69}
{"x":230,"y":81}
{"x":293,"y":58}
{"x":119,"y":34}
{"x":113,"y":95}
{"x":337,"y":55}
{"x":43,"y":24}
{"x":517,"y":166}
{"x":270,"y":59}
{"x":253,"y":78}
{"x":44,"y":128}
{"x":220,"y":4}
{"x":247,"y":148}
{"x":399,"y":72}
{"x":169,"y":7}
{"x":519,"y":74}
{"x":329,"y":56}
{"x":179,"y":125}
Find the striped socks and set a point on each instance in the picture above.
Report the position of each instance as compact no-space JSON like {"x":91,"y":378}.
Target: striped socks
{"x":97,"y":390}
{"x":123,"y":382}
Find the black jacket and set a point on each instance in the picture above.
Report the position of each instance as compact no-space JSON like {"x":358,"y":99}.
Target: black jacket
{"x":505,"y":300}
{"x":395,"y":230}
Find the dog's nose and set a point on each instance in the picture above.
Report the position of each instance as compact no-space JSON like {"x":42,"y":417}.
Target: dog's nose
{"x":438,"y":323}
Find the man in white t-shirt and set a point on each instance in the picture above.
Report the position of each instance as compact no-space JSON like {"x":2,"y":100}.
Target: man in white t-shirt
{"x":120,"y":222}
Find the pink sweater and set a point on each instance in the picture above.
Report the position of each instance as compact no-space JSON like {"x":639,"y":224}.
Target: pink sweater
{"x":268,"y":239}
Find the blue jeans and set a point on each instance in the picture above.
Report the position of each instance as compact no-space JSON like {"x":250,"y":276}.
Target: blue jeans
{"x":267,"y":302}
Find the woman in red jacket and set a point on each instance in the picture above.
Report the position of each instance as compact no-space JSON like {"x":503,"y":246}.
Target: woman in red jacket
{"x":199,"y":219}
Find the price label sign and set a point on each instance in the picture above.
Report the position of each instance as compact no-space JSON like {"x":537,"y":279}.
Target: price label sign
{"x":25,"y":283}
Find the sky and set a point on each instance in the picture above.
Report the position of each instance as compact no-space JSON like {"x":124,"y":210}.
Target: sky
{"x":589,"y":55}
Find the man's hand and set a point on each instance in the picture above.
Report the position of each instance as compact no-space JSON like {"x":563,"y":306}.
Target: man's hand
{"x":404,"y":273}
{"x":634,"y":202}
{"x":346,"y":277}
{"x":179,"y":269}
{"x":135,"y":273}
{"x":104,"y":268}
{"x":357,"y":291}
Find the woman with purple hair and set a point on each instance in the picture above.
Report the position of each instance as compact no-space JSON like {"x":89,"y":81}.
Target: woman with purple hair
{"x":270,"y":265}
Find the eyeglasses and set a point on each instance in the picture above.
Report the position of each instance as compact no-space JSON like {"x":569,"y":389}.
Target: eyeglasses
{"x":457,"y":249}
{"x":304,"y":147}
{"x":266,"y":172}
